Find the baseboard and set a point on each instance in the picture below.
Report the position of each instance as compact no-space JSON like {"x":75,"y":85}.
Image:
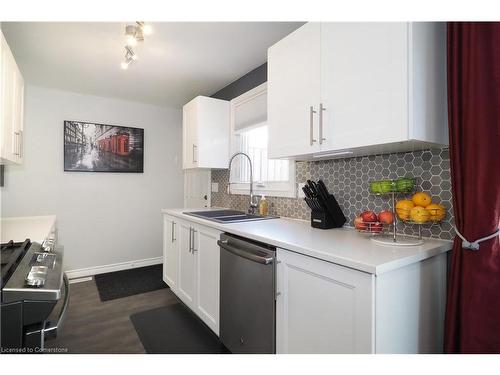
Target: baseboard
{"x":91,"y":271}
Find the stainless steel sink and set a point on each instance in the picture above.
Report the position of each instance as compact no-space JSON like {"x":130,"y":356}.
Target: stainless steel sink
{"x":228,"y":216}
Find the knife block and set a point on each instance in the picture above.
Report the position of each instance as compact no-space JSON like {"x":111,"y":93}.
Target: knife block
{"x":325,"y":214}
{"x":322,"y":220}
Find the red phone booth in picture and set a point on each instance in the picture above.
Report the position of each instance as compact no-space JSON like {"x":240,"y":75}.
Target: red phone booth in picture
{"x":123,"y":144}
{"x":107,"y":144}
{"x":114,"y":142}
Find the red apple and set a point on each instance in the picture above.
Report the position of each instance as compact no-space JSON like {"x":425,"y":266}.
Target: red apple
{"x":359,"y":224}
{"x":369,"y":217}
{"x":386,"y":217}
{"x":376,"y":227}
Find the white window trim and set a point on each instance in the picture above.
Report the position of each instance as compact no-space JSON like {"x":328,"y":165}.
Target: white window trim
{"x":277,"y":189}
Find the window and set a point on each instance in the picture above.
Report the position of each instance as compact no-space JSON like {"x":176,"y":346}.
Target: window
{"x":271,"y":177}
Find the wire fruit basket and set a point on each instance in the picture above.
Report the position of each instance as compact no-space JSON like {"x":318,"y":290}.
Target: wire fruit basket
{"x":373,"y":228}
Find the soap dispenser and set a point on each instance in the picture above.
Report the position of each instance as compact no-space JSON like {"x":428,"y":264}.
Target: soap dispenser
{"x":263,"y":206}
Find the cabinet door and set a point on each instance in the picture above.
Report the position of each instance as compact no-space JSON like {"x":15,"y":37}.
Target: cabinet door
{"x":18,"y":115}
{"x":322,"y":307}
{"x":189,"y":135}
{"x":293,"y":87}
{"x":207,"y":275}
{"x":364,"y":84}
{"x":186,"y":286}
{"x":170,"y":253}
{"x":8,"y":146}
{"x":212,"y":144}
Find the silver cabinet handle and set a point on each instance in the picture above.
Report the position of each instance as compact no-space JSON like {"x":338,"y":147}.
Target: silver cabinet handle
{"x":173,"y":233}
{"x":194,"y":152}
{"x":311,"y":125}
{"x":190,"y":239}
{"x":21,"y":143}
{"x":321,"y":109}
{"x":194,"y":250}
{"x":16,"y":144}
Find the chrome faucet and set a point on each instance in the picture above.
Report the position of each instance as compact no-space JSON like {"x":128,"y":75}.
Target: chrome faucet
{"x":252,"y":205}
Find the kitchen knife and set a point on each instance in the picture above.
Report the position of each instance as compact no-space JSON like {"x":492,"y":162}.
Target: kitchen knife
{"x":313,"y":187}
{"x":322,"y":190}
{"x":307,"y":191}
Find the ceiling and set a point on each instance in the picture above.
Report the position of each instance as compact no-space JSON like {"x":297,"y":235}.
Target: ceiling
{"x":179,"y":61}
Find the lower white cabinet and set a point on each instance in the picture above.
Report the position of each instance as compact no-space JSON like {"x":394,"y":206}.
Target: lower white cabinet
{"x":207,"y":271}
{"x":187,"y":265}
{"x":322,"y":307}
{"x":191,"y":267}
{"x":170,"y":252}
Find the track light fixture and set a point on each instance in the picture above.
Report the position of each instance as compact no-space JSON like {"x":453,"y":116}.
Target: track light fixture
{"x":134,"y":34}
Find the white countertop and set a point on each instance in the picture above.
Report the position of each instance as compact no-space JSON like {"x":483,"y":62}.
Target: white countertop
{"x":342,"y":246}
{"x":36,"y":228}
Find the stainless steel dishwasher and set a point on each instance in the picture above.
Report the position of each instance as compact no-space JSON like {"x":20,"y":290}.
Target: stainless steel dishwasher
{"x":247,"y":295}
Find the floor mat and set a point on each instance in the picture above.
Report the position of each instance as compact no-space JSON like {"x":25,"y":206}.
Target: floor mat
{"x":175,"y":329}
{"x":126,"y":283}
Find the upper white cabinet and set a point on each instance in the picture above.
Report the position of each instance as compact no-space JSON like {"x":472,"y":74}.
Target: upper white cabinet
{"x":357,"y":88}
{"x":11,"y":107}
{"x":205,"y":125}
{"x":293,"y":92}
{"x":191,"y":267}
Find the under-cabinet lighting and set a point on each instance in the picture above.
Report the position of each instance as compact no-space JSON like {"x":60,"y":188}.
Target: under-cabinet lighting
{"x":338,"y":153}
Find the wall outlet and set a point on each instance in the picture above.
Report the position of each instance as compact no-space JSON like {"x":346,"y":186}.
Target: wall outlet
{"x":300,"y":192}
{"x":215,"y":187}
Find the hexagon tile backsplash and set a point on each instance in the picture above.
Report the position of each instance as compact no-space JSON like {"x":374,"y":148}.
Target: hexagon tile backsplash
{"x":348,"y":180}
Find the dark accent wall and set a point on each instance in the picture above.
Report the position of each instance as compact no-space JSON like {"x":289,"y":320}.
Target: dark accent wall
{"x":250,"y":80}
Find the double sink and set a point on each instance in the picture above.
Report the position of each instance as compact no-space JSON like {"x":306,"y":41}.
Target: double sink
{"x":228,"y":216}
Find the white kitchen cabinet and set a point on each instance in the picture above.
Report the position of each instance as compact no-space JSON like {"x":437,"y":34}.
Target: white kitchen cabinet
{"x":191,"y":265}
{"x":322,"y":307}
{"x":205,"y":124}
{"x":11,"y":107}
{"x":375,"y":88}
{"x":170,"y":252}
{"x":207,"y":254}
{"x":294,"y":92}
{"x":364,"y":91}
{"x":186,"y":290}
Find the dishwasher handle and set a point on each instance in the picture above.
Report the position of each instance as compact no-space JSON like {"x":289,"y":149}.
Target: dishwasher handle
{"x":246,"y":254}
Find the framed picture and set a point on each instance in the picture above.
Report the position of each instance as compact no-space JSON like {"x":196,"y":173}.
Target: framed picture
{"x":91,"y":147}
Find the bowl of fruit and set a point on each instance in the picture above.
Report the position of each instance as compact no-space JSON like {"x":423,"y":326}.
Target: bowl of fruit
{"x":371,"y":223}
{"x":420,"y":209}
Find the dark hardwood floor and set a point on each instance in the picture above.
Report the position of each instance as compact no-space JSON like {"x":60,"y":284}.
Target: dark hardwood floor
{"x":92,"y":326}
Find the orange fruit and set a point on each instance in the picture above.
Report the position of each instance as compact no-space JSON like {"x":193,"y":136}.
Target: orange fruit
{"x":436,"y":211}
{"x":403,"y":209}
{"x":419,"y":214}
{"x":421,"y":199}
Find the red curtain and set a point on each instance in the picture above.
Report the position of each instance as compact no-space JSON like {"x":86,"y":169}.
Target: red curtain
{"x":473,"y":306}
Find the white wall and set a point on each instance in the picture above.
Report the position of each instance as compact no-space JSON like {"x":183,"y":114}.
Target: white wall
{"x":103,"y":218}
